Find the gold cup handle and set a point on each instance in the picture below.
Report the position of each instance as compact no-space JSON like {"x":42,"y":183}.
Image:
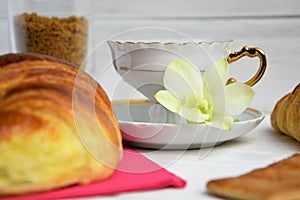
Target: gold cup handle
{"x":250,"y":52}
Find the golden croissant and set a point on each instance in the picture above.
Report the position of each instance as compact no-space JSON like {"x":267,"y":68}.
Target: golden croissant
{"x":277,"y":181}
{"x":57,"y":126}
{"x":285,"y":117}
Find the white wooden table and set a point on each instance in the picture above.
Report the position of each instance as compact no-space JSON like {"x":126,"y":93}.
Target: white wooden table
{"x":257,"y":149}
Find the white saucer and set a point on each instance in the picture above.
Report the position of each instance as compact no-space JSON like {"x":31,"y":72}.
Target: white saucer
{"x":147,"y":125}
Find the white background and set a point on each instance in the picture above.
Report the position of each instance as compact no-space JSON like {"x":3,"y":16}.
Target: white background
{"x":272,"y":25}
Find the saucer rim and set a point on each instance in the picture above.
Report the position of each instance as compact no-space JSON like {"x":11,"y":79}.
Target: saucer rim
{"x":145,"y":102}
{"x":171,"y":42}
{"x":187,"y":142}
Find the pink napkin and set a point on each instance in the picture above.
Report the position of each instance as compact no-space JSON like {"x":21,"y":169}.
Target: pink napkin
{"x":135,"y":173}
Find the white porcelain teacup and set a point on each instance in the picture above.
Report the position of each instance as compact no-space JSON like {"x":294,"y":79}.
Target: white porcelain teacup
{"x":142,"y":64}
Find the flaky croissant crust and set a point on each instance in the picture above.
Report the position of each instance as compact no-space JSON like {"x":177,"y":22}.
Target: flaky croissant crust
{"x":57,"y":126}
{"x":285,"y":117}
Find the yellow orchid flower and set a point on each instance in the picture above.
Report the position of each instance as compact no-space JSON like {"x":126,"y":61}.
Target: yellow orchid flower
{"x":203,"y":98}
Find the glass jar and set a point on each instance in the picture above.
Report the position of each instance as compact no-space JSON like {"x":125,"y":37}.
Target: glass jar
{"x":58,"y":28}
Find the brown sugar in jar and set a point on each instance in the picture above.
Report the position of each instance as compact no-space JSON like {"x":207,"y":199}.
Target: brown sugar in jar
{"x":64,"y":38}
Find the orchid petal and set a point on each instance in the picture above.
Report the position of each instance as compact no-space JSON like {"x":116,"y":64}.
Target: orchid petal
{"x":193,"y":114}
{"x":219,"y":102}
{"x":213,"y":80}
{"x":222,"y":122}
{"x":222,"y":67}
{"x":238,"y":97}
{"x":214,"y":90}
{"x":168,"y":100}
{"x":190,"y":101}
{"x":183,"y":79}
